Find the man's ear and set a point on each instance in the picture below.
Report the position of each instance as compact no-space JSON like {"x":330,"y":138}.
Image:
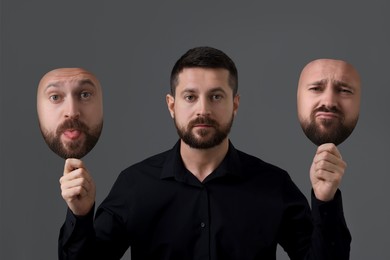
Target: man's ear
{"x":171,"y":104}
{"x":236,"y":103}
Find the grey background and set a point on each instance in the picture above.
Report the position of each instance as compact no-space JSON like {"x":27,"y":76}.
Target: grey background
{"x":132,"y":46}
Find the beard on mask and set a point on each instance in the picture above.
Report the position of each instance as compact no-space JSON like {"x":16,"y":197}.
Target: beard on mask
{"x":323,"y":131}
{"x":73,"y":148}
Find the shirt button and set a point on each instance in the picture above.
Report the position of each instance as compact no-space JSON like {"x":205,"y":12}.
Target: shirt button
{"x":202,"y":224}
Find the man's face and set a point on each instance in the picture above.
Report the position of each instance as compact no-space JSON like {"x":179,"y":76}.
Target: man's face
{"x":70,"y":111}
{"x":328,"y":100}
{"x":203,"y":107}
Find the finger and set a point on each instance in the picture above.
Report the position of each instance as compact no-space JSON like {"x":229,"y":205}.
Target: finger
{"x":80,"y":185}
{"x":331,"y":158}
{"x":78,"y":176}
{"x":72,"y":164}
{"x":74,"y":193}
{"x":328,"y":167}
{"x":327,"y":176}
{"x":76,"y":183}
{"x":329,"y":147}
{"x":326,"y":156}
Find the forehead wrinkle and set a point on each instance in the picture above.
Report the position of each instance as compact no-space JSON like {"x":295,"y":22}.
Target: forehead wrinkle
{"x":342,"y":83}
{"x":318,"y":82}
{"x":335,"y":82}
{"x":79,"y":83}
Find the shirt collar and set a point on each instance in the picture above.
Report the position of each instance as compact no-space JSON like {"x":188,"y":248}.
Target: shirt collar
{"x":174,"y":166}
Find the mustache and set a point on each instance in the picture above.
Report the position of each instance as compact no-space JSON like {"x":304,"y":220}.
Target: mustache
{"x":203,"y":121}
{"x":72,"y":124}
{"x":332,"y":109}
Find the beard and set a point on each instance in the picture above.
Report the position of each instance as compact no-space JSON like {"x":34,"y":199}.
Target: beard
{"x":203,"y":138}
{"x":324,"y":131}
{"x":74,"y":148}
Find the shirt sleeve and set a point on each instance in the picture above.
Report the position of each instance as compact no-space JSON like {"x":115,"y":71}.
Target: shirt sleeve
{"x":330,"y":227}
{"x":318,"y":233}
{"x":76,"y":236}
{"x":100,"y":237}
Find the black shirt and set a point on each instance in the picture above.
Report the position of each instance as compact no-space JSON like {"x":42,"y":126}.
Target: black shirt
{"x":241,"y":211}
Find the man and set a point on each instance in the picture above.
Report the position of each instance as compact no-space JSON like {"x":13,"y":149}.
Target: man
{"x":70,"y":111}
{"x":328,"y":101}
{"x":203,"y":199}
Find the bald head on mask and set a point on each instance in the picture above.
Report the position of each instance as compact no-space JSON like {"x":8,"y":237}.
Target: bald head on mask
{"x":328,"y":100}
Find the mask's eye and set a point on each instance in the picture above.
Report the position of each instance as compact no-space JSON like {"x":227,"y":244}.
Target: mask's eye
{"x":55,"y":98}
{"x":85,"y":95}
{"x":346,"y":91}
{"x":315,"y":88}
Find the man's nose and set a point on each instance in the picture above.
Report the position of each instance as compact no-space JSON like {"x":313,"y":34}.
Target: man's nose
{"x":72,"y":109}
{"x":203,"y":107}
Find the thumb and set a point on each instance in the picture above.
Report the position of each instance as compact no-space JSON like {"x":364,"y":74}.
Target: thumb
{"x":72,"y":164}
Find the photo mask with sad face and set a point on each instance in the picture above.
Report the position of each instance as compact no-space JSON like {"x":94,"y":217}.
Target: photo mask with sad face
{"x":328,"y":100}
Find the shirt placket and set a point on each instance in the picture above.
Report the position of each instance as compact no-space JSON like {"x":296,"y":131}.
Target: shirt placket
{"x":204,"y":225}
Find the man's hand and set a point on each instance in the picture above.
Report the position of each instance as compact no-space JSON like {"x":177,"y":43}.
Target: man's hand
{"x":326,"y":171}
{"x":77,"y":187}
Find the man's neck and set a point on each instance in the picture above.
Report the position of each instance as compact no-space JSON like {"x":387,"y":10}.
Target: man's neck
{"x":202,"y":162}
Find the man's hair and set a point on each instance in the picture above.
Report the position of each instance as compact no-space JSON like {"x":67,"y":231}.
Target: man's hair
{"x":205,"y":57}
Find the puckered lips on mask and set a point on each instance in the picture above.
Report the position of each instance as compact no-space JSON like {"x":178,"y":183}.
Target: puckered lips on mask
{"x":72,"y":134}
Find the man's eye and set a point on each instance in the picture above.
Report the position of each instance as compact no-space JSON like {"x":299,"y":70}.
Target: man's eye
{"x":85,"y":95}
{"x":189,"y":98}
{"x":217,"y":97}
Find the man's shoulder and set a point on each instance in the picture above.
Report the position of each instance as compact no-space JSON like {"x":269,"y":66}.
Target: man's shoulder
{"x":253,"y":163}
{"x":151,"y":164}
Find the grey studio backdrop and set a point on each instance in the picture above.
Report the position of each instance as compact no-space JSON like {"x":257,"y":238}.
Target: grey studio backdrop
{"x":131,"y":46}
